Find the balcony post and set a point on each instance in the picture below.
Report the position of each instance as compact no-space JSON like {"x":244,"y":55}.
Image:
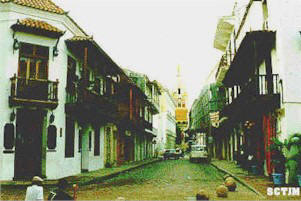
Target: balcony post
{"x":13,"y":86}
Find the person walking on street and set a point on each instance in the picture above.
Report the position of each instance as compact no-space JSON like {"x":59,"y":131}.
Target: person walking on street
{"x":59,"y":193}
{"x":35,"y":191}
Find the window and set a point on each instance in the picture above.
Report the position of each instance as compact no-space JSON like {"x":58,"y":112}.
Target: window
{"x":97,"y":85}
{"x":141,"y":111}
{"x":71,"y":72}
{"x":69,"y":138}
{"x":80,"y":140}
{"x":9,"y":136}
{"x":71,"y":79}
{"x":51,"y":137}
{"x":33,"y":61}
{"x":97,"y":142}
{"x":101,"y":86}
{"x":179,"y":91}
{"x":90,"y":140}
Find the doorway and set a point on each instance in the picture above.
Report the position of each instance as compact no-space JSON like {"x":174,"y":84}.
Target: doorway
{"x":29,"y":132}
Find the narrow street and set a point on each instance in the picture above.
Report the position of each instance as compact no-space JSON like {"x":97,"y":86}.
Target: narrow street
{"x":166,"y":180}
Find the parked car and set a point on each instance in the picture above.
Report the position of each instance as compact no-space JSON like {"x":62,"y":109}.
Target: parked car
{"x":198,"y":153}
{"x":171,"y":153}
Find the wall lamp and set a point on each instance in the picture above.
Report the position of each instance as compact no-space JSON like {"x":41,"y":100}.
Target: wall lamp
{"x":16,"y":44}
{"x":55,"y":50}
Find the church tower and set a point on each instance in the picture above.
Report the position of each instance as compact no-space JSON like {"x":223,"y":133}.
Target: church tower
{"x":180,"y":96}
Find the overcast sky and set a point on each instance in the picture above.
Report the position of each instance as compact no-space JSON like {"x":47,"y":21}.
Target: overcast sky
{"x":154,"y":36}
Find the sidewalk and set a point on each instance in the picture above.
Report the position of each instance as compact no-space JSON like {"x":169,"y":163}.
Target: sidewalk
{"x":256,"y":183}
{"x":88,"y":177}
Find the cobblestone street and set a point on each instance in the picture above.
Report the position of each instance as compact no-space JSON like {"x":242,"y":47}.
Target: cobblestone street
{"x":167,"y":180}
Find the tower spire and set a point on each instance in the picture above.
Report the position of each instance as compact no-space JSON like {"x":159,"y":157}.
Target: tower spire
{"x":179,"y":71}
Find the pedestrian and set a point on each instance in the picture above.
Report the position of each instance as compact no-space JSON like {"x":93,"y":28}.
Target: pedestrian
{"x":35,"y":191}
{"x":59,"y":193}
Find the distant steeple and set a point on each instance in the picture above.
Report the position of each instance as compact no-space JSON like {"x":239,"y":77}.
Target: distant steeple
{"x":180,"y":96}
{"x":179,"y":71}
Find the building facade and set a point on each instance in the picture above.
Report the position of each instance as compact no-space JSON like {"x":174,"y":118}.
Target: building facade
{"x":259,"y":71}
{"x":166,"y":138}
{"x":145,"y":145}
{"x":67,"y":106}
{"x":204,"y":114}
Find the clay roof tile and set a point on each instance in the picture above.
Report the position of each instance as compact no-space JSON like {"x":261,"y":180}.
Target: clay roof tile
{"x":37,"y":24}
{"x":46,"y":5}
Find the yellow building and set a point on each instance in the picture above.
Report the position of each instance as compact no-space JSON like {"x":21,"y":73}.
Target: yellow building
{"x":180,"y":96}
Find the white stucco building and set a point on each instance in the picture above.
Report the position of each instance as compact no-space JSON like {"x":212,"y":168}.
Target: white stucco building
{"x":261,"y":42}
{"x":34,"y":60}
{"x":167,"y":123}
{"x":66,"y":106}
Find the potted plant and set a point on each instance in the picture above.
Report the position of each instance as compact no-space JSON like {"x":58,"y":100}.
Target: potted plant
{"x":293,"y":156}
{"x":278,"y":161}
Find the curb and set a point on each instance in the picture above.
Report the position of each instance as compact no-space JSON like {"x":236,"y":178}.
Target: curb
{"x":239,"y":180}
{"x":109,"y":176}
{"x":94,"y":180}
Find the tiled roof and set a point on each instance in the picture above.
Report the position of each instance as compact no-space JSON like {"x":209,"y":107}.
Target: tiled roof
{"x":46,"y":5}
{"x":37,"y":27}
{"x":37,"y":24}
{"x":81,"y":38}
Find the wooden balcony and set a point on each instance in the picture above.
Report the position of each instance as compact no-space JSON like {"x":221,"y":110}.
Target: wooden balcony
{"x":33,"y":92}
{"x":92,"y":100}
{"x":260,"y":94}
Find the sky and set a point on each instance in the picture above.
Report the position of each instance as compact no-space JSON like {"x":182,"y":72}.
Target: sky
{"x":155,"y":36}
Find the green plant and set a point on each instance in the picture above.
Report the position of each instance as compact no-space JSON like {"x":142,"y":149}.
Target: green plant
{"x":291,"y":160}
{"x":108,"y":165}
{"x":277,"y":156}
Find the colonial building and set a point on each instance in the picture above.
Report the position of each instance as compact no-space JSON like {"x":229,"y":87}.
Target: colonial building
{"x":144,"y":145}
{"x":204,"y":114}
{"x":66,"y":105}
{"x":180,"y":96}
{"x":166,"y":138}
{"x":260,"y":71}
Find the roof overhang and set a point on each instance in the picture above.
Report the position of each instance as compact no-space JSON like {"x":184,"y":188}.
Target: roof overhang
{"x":252,"y":51}
{"x":96,"y":56}
{"x":37,"y":27}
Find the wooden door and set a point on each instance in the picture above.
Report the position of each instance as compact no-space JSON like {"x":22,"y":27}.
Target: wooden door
{"x":28,"y":157}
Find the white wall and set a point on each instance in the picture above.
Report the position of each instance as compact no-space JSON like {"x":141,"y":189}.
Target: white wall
{"x":9,"y":13}
{"x":284,"y":17}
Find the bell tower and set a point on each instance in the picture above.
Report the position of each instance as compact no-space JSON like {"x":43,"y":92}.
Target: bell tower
{"x":180,"y":96}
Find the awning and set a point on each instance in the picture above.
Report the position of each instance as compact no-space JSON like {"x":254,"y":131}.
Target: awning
{"x":252,"y":51}
{"x":37,"y":27}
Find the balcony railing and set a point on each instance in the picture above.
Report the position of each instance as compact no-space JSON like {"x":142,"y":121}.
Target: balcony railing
{"x":224,"y":64}
{"x":74,"y":91}
{"x":256,"y":86}
{"x":99,"y":97}
{"x":34,"y":91}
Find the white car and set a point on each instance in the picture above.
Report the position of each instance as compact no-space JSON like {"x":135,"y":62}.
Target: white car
{"x":198,"y":153}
